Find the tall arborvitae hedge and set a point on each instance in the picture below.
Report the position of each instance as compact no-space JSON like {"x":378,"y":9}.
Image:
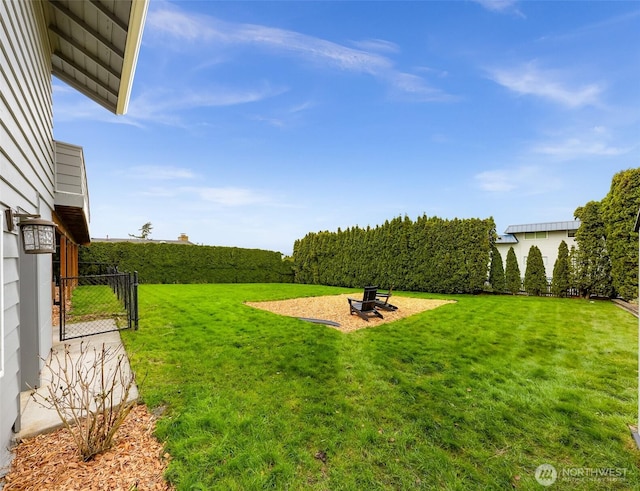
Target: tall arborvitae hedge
{"x":512,"y":273}
{"x":181,"y":263}
{"x":428,"y":254}
{"x":496,"y":273}
{"x":535,"y":277}
{"x":561,"y":272}
{"x":606,"y":261}
{"x":593,"y":264}
{"x":619,"y":212}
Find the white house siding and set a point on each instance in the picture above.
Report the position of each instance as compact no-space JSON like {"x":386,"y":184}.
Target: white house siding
{"x":70,"y":177}
{"x":10,"y":378}
{"x":27,"y":185}
{"x":548,"y":247}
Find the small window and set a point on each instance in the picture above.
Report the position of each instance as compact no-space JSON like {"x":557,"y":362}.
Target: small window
{"x":529,"y":235}
{"x":541,"y":235}
{"x":571,"y":233}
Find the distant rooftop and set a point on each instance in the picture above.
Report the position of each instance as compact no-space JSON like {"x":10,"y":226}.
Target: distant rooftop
{"x":543,"y":227}
{"x":506,"y":239}
{"x":142,"y":241}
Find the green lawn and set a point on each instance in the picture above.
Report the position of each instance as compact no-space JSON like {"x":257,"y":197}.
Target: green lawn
{"x":89,"y":302}
{"x":472,"y":395}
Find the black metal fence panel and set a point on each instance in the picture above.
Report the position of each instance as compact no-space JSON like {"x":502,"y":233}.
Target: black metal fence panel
{"x":95,"y":304}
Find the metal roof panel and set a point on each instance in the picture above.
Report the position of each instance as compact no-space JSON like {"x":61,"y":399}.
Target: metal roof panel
{"x":543,"y":227}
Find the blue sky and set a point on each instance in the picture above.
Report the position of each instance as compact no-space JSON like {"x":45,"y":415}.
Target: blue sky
{"x":251,"y":124}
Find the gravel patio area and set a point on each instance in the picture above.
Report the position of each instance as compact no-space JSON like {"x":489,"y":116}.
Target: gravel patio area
{"x":335,"y":308}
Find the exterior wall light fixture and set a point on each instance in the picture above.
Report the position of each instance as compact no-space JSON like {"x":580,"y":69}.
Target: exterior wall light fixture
{"x":38,"y":235}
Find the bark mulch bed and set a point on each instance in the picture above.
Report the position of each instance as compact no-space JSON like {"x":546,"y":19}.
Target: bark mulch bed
{"x":335,"y":308}
{"x":50,"y":461}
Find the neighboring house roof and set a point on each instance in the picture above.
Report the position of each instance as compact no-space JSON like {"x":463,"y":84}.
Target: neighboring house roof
{"x":506,"y":239}
{"x":543,"y":227}
{"x":144,"y":241}
{"x":95,"y":46}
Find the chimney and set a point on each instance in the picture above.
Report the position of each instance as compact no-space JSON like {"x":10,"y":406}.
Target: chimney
{"x":183,"y":237}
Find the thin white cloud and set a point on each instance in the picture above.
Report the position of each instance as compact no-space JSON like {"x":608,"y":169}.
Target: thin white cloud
{"x":171,"y":22}
{"x":379,"y":45}
{"x":159,"y":172}
{"x":158,"y":192}
{"x":432,"y":71}
{"x":200,"y":198}
{"x":228,"y":196}
{"x":525,"y":180}
{"x":174,"y":23}
{"x":301,"y":107}
{"x":496,"y":181}
{"x":70,"y":105}
{"x":311,"y":48}
{"x":286,"y":117}
{"x":163,"y":105}
{"x":529,"y":79}
{"x":601,"y":24}
{"x":573,"y":148}
{"x":61,"y":89}
{"x":276,"y":122}
{"x":187,"y":31}
{"x":595,"y":141}
{"x":500,"y":6}
{"x":179,"y":30}
{"x":416,"y":88}
{"x":496,"y":5}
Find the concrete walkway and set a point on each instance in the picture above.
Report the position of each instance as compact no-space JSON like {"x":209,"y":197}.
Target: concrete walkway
{"x":36,"y":419}
{"x":629,"y":307}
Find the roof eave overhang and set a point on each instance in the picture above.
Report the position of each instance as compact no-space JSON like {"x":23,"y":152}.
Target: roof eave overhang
{"x":83,"y":67}
{"x":134,"y":40}
{"x":73,"y":223}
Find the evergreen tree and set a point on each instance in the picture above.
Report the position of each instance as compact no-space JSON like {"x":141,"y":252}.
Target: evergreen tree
{"x":619,"y":211}
{"x":561,"y":272}
{"x":535,"y":277}
{"x":496,"y":273}
{"x":573,"y":267}
{"x":593,"y":265}
{"x":145,"y":231}
{"x":430,"y":254}
{"x":512,"y":273}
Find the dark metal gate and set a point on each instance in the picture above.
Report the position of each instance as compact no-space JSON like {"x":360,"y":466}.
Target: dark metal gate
{"x":96,"y":304}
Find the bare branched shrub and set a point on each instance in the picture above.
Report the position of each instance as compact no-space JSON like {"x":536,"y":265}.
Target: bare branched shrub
{"x":90,"y":392}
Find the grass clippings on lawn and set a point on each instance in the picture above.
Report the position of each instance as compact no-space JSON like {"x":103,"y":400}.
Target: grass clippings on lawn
{"x":335,"y":308}
{"x":51,"y":461}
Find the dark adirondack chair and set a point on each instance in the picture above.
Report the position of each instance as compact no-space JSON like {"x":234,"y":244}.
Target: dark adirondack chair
{"x":382,"y":300}
{"x":367,"y":306}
